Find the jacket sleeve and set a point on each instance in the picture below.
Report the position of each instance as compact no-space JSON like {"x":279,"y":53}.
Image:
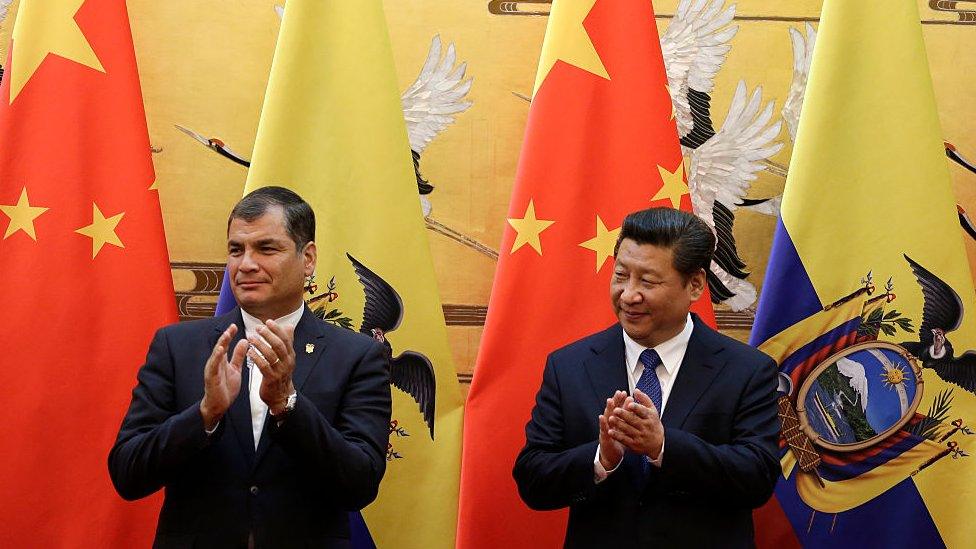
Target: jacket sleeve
{"x":550,"y":473}
{"x":741,"y":473}
{"x":347,"y":456}
{"x":155,"y":438}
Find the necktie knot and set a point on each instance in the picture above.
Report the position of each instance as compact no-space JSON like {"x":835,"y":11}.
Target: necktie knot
{"x":650,"y":359}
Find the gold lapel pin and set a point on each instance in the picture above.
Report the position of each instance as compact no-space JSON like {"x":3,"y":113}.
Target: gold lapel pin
{"x":309,"y":348}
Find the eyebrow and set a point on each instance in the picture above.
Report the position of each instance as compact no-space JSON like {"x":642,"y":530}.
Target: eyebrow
{"x":258,"y":243}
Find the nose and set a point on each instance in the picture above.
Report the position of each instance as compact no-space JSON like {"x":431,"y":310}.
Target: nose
{"x":247,"y":262}
{"x":631,"y":293}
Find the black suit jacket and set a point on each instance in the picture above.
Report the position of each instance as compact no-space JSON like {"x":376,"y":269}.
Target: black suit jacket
{"x":720,"y":434}
{"x":295,"y":490}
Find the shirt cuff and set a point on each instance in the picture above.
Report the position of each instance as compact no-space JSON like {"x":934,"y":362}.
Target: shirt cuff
{"x":660,"y":456}
{"x":600,"y":473}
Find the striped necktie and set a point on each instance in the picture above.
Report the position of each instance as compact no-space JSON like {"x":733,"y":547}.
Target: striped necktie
{"x":648,"y":382}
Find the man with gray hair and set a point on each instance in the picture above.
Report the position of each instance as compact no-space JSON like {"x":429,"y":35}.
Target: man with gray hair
{"x":265,"y":425}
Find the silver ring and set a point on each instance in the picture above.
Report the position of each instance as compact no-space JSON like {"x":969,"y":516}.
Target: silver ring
{"x":277,"y":360}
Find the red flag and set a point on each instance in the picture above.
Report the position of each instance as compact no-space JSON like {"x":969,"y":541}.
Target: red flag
{"x":601,"y":142}
{"x":86,"y":277}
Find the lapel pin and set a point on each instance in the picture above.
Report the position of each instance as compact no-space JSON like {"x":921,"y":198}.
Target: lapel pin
{"x":309,"y":348}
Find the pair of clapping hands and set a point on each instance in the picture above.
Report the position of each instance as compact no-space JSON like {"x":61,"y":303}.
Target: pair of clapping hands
{"x":629,"y":423}
{"x":273,"y":353}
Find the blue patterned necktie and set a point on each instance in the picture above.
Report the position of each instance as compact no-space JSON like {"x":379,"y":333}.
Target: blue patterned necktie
{"x":648,"y":382}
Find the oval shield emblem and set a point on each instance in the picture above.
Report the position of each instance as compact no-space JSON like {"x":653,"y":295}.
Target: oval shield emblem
{"x":859,"y":396}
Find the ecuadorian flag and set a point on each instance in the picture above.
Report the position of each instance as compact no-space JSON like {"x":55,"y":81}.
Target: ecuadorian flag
{"x":332,"y":129}
{"x":869,"y":256}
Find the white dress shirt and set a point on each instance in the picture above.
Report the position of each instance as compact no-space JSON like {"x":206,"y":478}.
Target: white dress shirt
{"x":672,"y":352}
{"x":259,"y":409}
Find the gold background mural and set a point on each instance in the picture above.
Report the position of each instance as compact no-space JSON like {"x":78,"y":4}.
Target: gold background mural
{"x":204,"y":66}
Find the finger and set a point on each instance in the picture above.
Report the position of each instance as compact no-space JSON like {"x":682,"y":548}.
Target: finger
{"x":640,"y":411}
{"x":213,"y":363}
{"x":604,"y":426}
{"x":224,"y":340}
{"x":286,"y":334}
{"x":608,"y":409}
{"x":622,"y":426}
{"x":272,"y":334}
{"x":237,"y":357}
{"x":262,"y":348}
{"x":627,"y":415}
{"x":618,"y":398}
{"x":641,"y":398}
{"x":268,"y":371}
{"x":274,"y":348}
{"x":227,"y":335}
{"x":622,"y":438}
{"x":240,"y":351}
{"x":618,"y":424}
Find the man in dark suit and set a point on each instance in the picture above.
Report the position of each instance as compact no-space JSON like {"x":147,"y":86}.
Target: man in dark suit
{"x":630,"y":475}
{"x":265,"y":425}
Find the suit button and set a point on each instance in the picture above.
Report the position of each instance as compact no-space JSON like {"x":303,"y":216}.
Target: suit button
{"x":254,"y":490}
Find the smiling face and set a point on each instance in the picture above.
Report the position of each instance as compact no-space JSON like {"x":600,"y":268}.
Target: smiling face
{"x":267,"y":272}
{"x":650,"y":297}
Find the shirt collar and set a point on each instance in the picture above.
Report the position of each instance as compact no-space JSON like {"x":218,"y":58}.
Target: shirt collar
{"x":670,"y":351}
{"x":251,"y":323}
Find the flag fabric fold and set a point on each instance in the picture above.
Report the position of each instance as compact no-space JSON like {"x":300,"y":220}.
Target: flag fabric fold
{"x":869,"y":222}
{"x":332,"y":130}
{"x":86,"y":277}
{"x":600,"y":142}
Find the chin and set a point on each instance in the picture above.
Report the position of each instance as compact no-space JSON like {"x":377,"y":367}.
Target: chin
{"x":246,"y":299}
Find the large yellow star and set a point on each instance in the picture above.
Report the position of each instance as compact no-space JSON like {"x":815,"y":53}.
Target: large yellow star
{"x":674,"y":186}
{"x":102,"y":230}
{"x":528,"y":229}
{"x":22,"y":216}
{"x":43,"y":27}
{"x":603,"y":243}
{"x":567,"y":39}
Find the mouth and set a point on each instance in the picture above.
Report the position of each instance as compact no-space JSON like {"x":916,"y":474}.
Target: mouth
{"x":632,"y":315}
{"x":249,"y":285}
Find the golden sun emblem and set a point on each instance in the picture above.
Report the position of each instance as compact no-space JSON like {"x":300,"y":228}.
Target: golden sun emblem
{"x":893,"y":376}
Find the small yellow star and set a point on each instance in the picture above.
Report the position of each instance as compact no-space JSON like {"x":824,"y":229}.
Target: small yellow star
{"x":603,"y":243}
{"x":47,"y":27}
{"x":102,"y":230}
{"x":528,"y":229}
{"x":674,"y":186}
{"x":567,"y":39}
{"x":22,"y":216}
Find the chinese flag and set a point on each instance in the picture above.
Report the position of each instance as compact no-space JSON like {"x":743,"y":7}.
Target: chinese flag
{"x":86,"y":277}
{"x":601,"y":142}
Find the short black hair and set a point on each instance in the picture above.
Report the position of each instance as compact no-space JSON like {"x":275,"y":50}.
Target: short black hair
{"x":689,"y":238}
{"x":299,"y":217}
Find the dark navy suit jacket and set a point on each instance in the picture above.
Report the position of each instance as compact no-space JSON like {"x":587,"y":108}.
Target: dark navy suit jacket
{"x":720,"y":432}
{"x":296,"y":489}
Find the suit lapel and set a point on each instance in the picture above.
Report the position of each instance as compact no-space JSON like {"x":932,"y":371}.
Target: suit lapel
{"x":308,"y":344}
{"x":606,"y":368}
{"x":699,"y":368}
{"x":239,"y":414}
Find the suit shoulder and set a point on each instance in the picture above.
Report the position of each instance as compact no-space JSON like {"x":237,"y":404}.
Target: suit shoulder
{"x":588,"y":345}
{"x":184,"y":329}
{"x":741,"y":353}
